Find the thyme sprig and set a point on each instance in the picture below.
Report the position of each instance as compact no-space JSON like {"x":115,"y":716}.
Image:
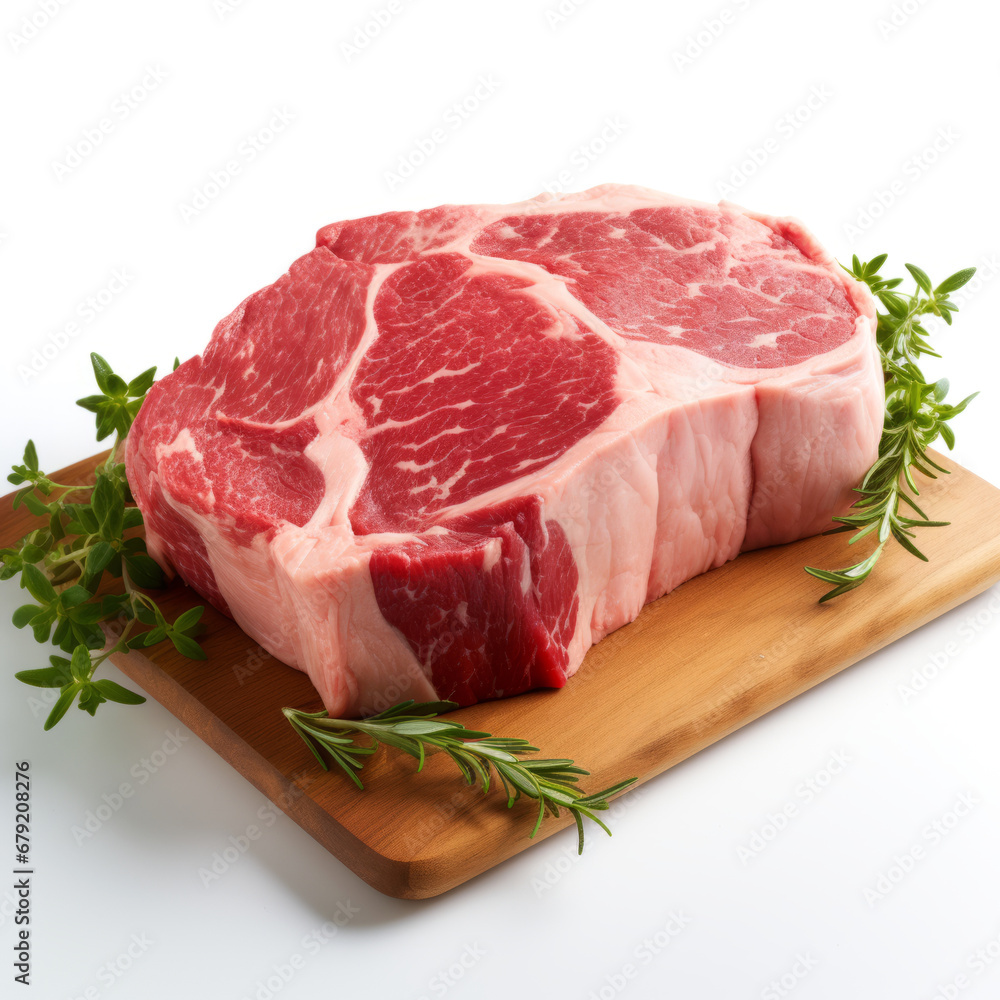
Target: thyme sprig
{"x":415,"y":729}
{"x":86,"y":536}
{"x":916,"y":415}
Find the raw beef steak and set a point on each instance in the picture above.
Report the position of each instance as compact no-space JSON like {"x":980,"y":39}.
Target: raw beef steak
{"x":449,"y":450}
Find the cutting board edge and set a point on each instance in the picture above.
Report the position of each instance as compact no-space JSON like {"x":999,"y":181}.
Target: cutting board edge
{"x":288,"y":794}
{"x":427,"y":884}
{"x":427,"y":874}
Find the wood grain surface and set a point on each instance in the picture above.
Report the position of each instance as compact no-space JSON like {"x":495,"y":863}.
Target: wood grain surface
{"x":718,"y":652}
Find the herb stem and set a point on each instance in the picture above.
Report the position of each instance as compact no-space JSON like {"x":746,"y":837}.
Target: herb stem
{"x":63,"y":562}
{"x":916,"y":414}
{"x":75,"y":556}
{"x":415,"y":729}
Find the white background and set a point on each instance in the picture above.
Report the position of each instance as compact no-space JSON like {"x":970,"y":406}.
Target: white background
{"x":882,"y":96}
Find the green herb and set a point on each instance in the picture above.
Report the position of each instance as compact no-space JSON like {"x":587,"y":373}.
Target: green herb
{"x":415,"y":729}
{"x":81,"y":541}
{"x":916,"y":414}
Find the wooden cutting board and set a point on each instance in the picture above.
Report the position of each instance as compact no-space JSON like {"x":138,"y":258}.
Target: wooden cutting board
{"x":718,"y":652}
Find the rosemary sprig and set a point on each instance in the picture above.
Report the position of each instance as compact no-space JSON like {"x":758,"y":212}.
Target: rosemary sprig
{"x":916,"y":415}
{"x":415,"y":729}
{"x":63,"y":563}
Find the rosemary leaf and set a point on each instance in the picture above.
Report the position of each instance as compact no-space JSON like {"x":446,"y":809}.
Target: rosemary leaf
{"x":415,"y":728}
